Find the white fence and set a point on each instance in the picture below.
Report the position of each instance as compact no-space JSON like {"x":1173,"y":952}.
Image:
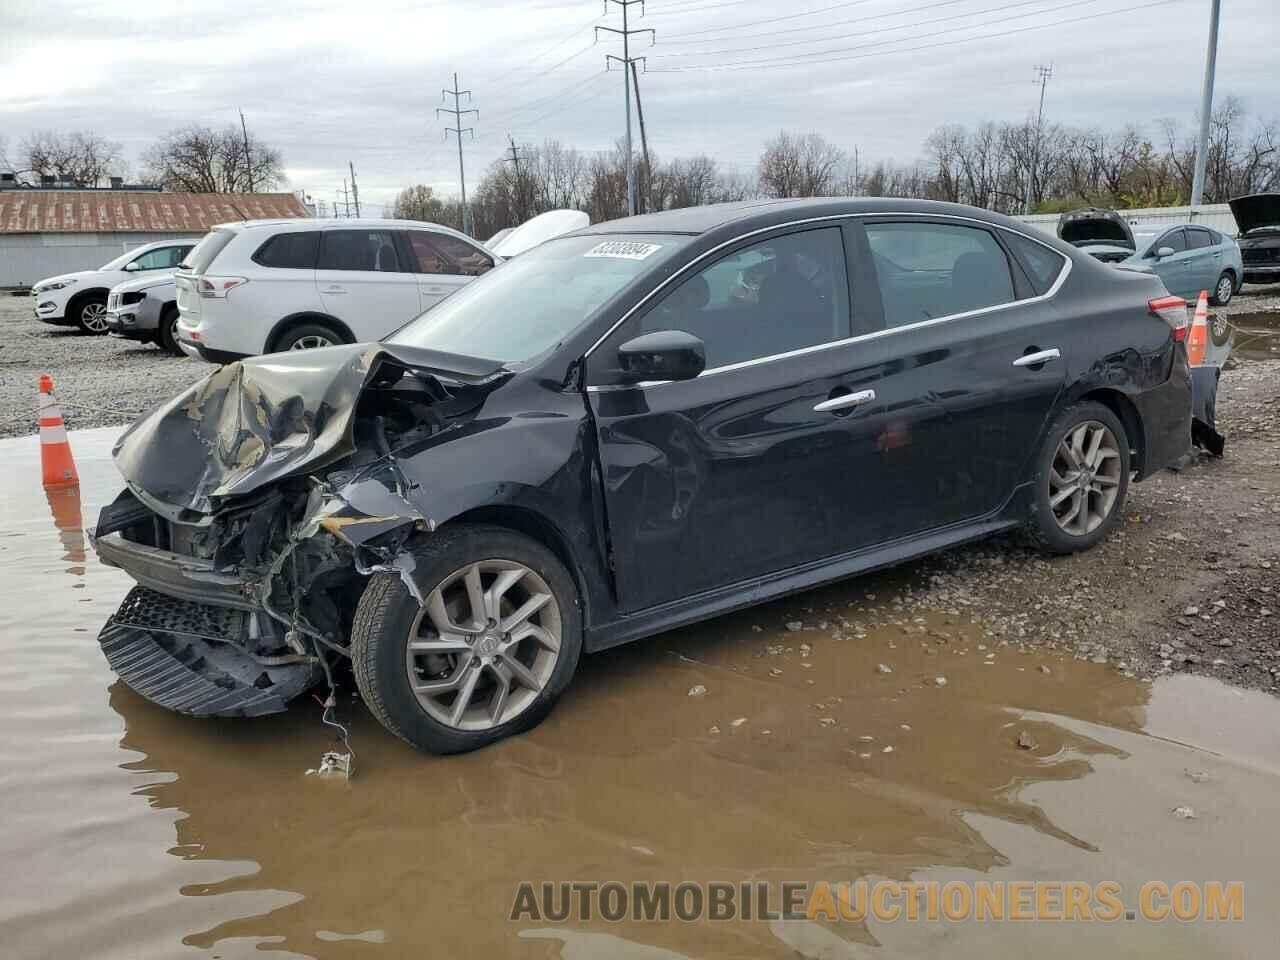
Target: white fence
{"x":1215,"y":215}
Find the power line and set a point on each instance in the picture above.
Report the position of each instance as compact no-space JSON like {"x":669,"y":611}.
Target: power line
{"x":902,"y":26}
{"x":813,"y":26}
{"x":459,"y":130}
{"x":807,"y":60}
{"x":540,"y":102}
{"x":790,"y":16}
{"x":627,"y":61}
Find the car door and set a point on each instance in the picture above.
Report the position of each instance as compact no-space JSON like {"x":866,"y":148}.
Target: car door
{"x":1205,"y":259}
{"x":444,"y":264}
{"x":1175,"y":269}
{"x":744,"y":470}
{"x":968,"y":367}
{"x":363,"y":283}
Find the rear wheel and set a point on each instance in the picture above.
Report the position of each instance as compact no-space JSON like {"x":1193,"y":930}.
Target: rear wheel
{"x":90,"y":313}
{"x":1224,"y":289}
{"x":485,"y":656}
{"x":1082,"y":479}
{"x":169,"y":330}
{"x":308,"y":336}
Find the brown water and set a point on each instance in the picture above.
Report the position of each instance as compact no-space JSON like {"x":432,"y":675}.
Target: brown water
{"x":130,"y":832}
{"x":1257,"y":336}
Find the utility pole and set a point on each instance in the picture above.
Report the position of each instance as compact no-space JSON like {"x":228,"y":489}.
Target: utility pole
{"x":355,"y":193}
{"x":1206,"y":104}
{"x":248,"y":157}
{"x":626,"y":61}
{"x":459,"y":130}
{"x":644,"y":142}
{"x":346,"y":202}
{"x":1042,"y":77}
{"x":517,"y":183}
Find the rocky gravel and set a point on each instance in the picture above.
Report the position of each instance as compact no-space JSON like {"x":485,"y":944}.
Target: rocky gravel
{"x":99,"y":381}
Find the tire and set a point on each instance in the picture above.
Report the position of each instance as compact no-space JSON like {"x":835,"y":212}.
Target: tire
{"x":1054,"y":527}
{"x":307,"y":336}
{"x":388,"y":615}
{"x":90,"y":314}
{"x":1224,"y":288}
{"x":167,"y":336}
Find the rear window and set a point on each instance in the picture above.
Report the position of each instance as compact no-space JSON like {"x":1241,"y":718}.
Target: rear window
{"x":367,"y":250}
{"x":1198,"y":238}
{"x":296,"y":251}
{"x":201,"y":256}
{"x":1041,"y":264}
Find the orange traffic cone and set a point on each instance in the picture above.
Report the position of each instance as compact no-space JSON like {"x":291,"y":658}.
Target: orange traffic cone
{"x":55,"y":451}
{"x":64,"y":503}
{"x":1198,"y":341}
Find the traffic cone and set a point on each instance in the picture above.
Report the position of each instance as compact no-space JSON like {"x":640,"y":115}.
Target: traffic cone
{"x":55,"y":451}
{"x":1198,"y":340}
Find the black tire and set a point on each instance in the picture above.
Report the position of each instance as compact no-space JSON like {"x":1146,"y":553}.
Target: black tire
{"x":386,"y":614}
{"x":310,"y":330}
{"x":167,"y":336}
{"x":1044,"y":528}
{"x":89,"y":312}
{"x":1226,"y":282}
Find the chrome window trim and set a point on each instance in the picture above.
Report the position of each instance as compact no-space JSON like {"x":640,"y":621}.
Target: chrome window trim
{"x":1063,"y":273}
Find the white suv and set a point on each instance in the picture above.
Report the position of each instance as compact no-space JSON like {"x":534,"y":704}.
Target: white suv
{"x":262,"y":286}
{"x":80,"y":299}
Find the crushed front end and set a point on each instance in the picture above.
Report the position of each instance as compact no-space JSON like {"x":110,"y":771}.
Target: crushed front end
{"x":258,"y":503}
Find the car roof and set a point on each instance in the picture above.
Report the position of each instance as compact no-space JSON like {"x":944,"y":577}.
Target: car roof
{"x":1161,"y":227}
{"x":300,"y":224}
{"x":699,"y":220}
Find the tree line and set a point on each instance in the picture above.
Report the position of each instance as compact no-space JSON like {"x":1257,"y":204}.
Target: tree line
{"x":992,"y":165}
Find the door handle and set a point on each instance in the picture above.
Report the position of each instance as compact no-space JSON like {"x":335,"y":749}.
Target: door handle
{"x":844,"y":400}
{"x":335,"y":290}
{"x":1035,"y":359}
{"x":433,"y":289}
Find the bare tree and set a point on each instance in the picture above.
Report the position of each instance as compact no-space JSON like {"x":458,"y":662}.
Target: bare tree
{"x":418,"y":202}
{"x":200,"y":159}
{"x":799,"y":166}
{"x":79,"y":157}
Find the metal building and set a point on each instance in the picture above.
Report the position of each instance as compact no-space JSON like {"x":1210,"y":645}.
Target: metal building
{"x":45,"y":232}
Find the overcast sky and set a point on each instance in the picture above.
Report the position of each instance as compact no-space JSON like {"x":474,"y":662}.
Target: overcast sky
{"x":328,"y":81}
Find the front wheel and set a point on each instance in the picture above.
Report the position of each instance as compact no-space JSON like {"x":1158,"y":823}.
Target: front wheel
{"x":169,"y":331}
{"x":1082,"y":479}
{"x":488,"y":652}
{"x":1224,"y":289}
{"x":90,"y":314}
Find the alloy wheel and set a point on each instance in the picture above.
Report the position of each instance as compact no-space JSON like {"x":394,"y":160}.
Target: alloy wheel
{"x":484,"y":645}
{"x":94,"y":317}
{"x":1084,"y":480}
{"x":311,"y":342}
{"x":1226,"y":287}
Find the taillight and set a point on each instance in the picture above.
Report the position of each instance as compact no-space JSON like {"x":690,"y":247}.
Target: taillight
{"x":215,"y":288}
{"x":1173,"y":311}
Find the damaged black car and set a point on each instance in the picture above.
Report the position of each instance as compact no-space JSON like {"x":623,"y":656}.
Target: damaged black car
{"x":1258,"y":219}
{"x":630,"y":428}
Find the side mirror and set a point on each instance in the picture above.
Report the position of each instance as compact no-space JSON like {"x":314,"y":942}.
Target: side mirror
{"x":662,"y":355}
{"x":132,"y":267}
{"x":1165,"y":252}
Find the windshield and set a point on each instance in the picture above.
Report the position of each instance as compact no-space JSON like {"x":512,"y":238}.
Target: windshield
{"x":529,"y":304}
{"x":119,"y":262}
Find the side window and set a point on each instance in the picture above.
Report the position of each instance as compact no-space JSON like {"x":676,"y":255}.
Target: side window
{"x":162,"y":258}
{"x":370,"y":250}
{"x":1198,"y":238}
{"x":295,"y":251}
{"x":1174,"y":238}
{"x":449,"y":254}
{"x":1042,"y":264}
{"x":929,"y":270}
{"x":772,"y":297}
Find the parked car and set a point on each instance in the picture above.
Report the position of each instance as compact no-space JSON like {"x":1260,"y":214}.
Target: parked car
{"x":1258,"y":218}
{"x":145,"y":309}
{"x":261,"y":286}
{"x":603,"y":439}
{"x":80,"y":298}
{"x":1101,"y":233}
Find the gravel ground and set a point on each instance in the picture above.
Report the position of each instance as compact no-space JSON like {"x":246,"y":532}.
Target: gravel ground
{"x":1191,"y":581}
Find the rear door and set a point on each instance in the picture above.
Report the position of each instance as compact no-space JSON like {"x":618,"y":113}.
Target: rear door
{"x":1176,"y":269}
{"x":963,"y":406}
{"x":363,"y":283}
{"x":444,"y":264}
{"x":1205,"y":259}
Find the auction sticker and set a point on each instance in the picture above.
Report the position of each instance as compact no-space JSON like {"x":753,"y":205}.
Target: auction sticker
{"x":623,"y":250}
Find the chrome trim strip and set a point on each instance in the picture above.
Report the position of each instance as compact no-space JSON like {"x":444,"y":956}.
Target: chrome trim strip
{"x":710,"y":371}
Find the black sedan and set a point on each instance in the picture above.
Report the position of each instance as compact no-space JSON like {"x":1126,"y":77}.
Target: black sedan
{"x":627,"y":429}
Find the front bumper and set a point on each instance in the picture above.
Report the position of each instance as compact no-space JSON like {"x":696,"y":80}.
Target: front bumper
{"x":135,"y":321}
{"x":49,"y":309}
{"x":1261,"y":274}
{"x":170,"y":573}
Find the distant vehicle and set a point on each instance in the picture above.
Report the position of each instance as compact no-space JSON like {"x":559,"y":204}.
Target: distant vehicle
{"x":539,"y":229}
{"x":497,"y":237}
{"x":1099,"y":232}
{"x":631,"y":428}
{"x":145,"y":309}
{"x":1258,"y":218}
{"x":261,"y":286}
{"x":80,"y":299}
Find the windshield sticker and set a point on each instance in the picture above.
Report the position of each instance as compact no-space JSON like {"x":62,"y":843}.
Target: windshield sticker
{"x":623,"y":250}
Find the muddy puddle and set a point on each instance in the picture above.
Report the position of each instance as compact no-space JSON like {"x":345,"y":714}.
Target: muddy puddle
{"x":130,"y":832}
{"x":1256,"y":336}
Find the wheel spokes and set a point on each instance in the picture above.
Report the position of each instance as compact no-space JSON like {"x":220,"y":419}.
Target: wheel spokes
{"x":525,"y":611}
{"x":465,"y":691}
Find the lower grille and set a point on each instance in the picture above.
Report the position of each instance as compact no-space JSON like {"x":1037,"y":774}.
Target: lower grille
{"x":148,"y":610}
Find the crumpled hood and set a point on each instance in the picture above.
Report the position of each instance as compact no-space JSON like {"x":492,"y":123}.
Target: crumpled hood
{"x":1256,"y":210}
{"x":257,"y":421}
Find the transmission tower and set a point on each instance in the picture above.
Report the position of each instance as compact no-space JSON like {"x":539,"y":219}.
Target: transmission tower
{"x":458,"y":130}
{"x":627,"y":60}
